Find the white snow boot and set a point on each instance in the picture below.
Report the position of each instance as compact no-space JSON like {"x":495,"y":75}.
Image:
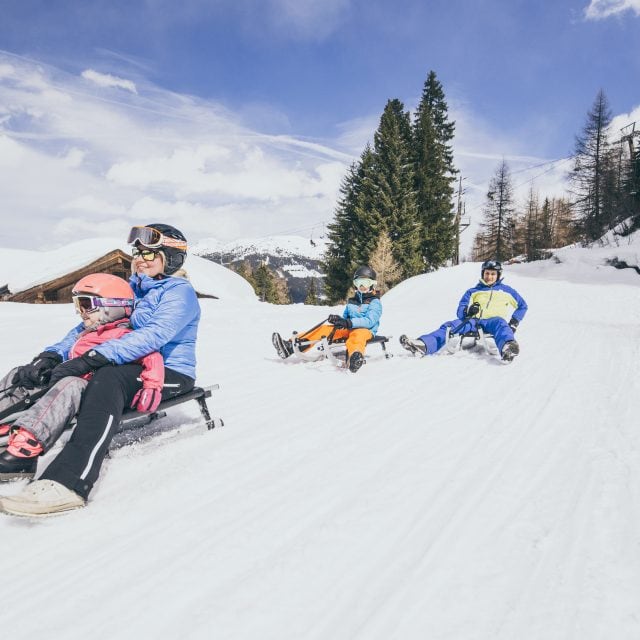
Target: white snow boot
{"x":42,"y":498}
{"x":510,"y":350}
{"x":414,"y":346}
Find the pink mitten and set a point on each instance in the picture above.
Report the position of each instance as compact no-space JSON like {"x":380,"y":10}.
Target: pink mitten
{"x":146,"y":400}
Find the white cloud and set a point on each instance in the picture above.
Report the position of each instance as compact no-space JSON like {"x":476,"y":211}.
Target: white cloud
{"x":69,"y":153}
{"x":107,"y":80}
{"x":600,"y":9}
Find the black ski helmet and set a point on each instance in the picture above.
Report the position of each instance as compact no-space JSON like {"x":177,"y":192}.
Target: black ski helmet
{"x":493,"y":265}
{"x":173,"y":257}
{"x":365,"y":271}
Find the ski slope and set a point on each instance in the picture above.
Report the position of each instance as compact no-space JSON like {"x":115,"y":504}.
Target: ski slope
{"x":442,"y":498}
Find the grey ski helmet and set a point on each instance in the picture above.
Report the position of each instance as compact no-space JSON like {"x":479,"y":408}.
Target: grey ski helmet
{"x":365,"y":271}
{"x":493,"y":265}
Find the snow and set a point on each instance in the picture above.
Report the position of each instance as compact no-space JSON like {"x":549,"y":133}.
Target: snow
{"x":448,"y":497}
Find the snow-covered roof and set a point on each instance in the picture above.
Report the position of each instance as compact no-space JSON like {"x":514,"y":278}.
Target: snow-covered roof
{"x":22,"y":269}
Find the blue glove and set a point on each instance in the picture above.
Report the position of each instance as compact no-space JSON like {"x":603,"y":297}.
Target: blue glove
{"x":340,"y":322}
{"x":87,"y":363}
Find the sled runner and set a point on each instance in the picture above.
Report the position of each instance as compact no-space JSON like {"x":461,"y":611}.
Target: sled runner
{"x":331,"y":349}
{"x":475,"y":338}
{"x":135,"y":423}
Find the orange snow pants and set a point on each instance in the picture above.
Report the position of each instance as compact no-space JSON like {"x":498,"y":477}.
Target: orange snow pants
{"x":356,"y":338}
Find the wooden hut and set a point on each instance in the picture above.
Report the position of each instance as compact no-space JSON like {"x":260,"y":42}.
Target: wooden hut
{"x":59,"y":289}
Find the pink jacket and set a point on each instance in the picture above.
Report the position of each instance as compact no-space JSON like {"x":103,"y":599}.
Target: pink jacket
{"x":152,"y":375}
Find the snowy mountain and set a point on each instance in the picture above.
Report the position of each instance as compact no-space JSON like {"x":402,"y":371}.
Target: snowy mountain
{"x":294,"y":258}
{"x":441,"y":498}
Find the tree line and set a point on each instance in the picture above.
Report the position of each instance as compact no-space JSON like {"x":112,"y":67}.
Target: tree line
{"x":395,"y":208}
{"x":604,"y":193}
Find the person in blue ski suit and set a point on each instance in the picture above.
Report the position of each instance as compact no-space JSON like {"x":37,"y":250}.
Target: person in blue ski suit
{"x":491,"y":305}
{"x":165,"y":319}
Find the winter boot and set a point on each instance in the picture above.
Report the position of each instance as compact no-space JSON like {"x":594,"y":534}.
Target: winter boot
{"x":414,"y":346}
{"x":355,"y":361}
{"x":510,"y":350}
{"x":42,"y":498}
{"x":21,"y":456}
{"x":283,"y":347}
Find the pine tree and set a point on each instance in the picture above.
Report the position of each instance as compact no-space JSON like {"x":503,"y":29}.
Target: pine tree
{"x":339,"y":256}
{"x":368,"y":221}
{"x":265,"y":285}
{"x":312,"y":293}
{"x":395,"y":194}
{"x":434,"y":174}
{"x":591,"y":169}
{"x":384,"y":264}
{"x":499,"y":218}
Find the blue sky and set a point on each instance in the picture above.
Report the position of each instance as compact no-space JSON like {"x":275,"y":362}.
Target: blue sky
{"x":239,"y":118}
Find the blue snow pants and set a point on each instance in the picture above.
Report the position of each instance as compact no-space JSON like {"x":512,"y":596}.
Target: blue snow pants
{"x":497,"y":327}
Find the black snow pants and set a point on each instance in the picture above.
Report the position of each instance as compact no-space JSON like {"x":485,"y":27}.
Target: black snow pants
{"x":107,"y":395}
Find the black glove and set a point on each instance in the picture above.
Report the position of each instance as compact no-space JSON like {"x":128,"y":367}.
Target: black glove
{"x":472,"y":310}
{"x":36,"y":374}
{"x":340,"y":322}
{"x":86,"y":363}
{"x":513,"y":323}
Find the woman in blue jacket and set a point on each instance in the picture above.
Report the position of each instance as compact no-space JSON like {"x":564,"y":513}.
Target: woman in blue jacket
{"x":492,"y":305}
{"x":165,"y":319}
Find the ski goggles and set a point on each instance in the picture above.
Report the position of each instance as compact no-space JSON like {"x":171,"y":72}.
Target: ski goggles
{"x":152,"y":238}
{"x":145,"y":254}
{"x":493,"y":265}
{"x":368,"y":283}
{"x":85,"y":303}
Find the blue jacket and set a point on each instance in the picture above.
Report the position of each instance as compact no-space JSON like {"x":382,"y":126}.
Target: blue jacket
{"x":364,"y":311}
{"x":165,"y":319}
{"x":498,"y":300}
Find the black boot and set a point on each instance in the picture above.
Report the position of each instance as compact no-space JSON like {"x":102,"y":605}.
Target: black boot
{"x":510,"y":350}
{"x":355,"y":361}
{"x":15,"y":467}
{"x":283,"y":347}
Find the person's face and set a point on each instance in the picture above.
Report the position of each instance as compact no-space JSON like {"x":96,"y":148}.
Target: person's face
{"x":90,"y":318}
{"x":147,"y":262}
{"x":490,"y":276}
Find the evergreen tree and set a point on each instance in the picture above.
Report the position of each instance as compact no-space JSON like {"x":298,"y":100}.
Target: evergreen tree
{"x":530,"y":242}
{"x":339,"y":255}
{"x":591,"y":171}
{"x":395,"y":196}
{"x":368,"y":221}
{"x":265,"y":285}
{"x":499,"y":218}
{"x":312,"y":293}
{"x":434,"y":173}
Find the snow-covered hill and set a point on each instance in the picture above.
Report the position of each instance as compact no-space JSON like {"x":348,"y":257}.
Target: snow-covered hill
{"x":440,"y":498}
